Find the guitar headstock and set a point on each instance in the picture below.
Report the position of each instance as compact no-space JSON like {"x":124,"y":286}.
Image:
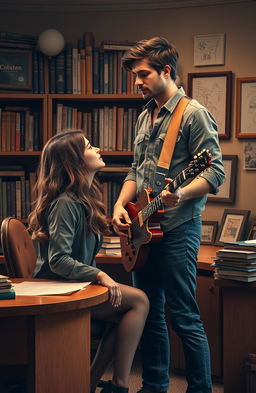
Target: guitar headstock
{"x":200,"y":162}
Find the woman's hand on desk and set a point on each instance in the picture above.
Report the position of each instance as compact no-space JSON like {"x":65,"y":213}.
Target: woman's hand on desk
{"x":115,"y":294}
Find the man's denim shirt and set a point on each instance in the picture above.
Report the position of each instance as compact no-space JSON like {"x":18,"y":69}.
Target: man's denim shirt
{"x":198,"y":131}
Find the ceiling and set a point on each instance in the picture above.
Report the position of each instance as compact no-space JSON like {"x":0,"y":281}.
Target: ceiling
{"x":106,"y":5}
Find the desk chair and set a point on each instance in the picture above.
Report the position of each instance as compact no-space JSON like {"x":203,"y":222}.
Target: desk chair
{"x":18,"y":248}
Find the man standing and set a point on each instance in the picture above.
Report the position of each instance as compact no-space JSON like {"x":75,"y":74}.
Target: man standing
{"x":169,"y":276}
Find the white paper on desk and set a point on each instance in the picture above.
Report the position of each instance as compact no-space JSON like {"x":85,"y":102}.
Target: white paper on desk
{"x":36,"y":288}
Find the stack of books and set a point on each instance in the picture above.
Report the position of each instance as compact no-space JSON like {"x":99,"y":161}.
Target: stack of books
{"x":6,"y":288}
{"x":236,"y":261}
{"x":111,"y":245}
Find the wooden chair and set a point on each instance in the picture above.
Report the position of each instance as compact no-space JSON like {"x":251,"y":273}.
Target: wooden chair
{"x":18,"y":248}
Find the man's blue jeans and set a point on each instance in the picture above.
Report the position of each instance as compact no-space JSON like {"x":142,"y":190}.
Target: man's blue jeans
{"x":170,"y":277}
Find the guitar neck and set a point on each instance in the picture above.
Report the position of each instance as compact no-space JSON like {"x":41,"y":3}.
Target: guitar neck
{"x":199,"y":164}
{"x":156,"y":203}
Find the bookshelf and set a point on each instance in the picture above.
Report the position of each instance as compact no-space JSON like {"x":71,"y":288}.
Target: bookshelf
{"x":26,"y":161}
{"x":81,"y":88}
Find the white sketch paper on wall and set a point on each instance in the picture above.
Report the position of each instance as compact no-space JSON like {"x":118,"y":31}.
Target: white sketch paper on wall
{"x":248,"y":108}
{"x":209,"y":49}
{"x":211,"y":92}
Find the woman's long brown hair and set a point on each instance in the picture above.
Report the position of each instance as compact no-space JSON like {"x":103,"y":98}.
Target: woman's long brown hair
{"x":63,"y":168}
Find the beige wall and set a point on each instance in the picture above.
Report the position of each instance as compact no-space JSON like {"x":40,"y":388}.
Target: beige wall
{"x":236,"y":20}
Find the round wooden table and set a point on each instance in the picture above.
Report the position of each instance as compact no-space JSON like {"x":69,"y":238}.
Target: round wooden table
{"x":50,"y":336}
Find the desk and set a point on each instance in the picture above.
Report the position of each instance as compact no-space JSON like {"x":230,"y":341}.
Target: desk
{"x":50,"y":335}
{"x":239,"y":327}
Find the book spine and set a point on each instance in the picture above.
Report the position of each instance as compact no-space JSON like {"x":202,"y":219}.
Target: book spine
{"x":101,"y":72}
{"x":78,"y":73}
{"x":12,"y":130}
{"x":68,"y":68}
{"x":18,"y":199}
{"x":17,"y":131}
{"x":60,"y":73}
{"x":22,"y":131}
{"x":83,"y":71}
{"x":36,"y":134}
{"x":89,"y":69}
{"x":96,"y":78}
{"x":52,"y":78}
{"x":18,"y":37}
{"x":41,"y":73}
{"x":106,"y":73}
{"x":4,"y":131}
{"x":74,"y":69}
{"x":35,"y":72}
{"x":8,"y":295}
{"x":8,"y":131}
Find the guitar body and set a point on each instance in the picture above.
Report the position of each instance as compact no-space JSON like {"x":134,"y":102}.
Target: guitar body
{"x":144,"y":215}
{"x":135,"y":249}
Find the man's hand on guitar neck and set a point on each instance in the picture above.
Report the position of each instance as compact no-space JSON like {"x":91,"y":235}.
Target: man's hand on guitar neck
{"x":171,"y":198}
{"x":195,"y":189}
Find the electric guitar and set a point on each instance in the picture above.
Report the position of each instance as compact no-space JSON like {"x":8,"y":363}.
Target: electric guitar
{"x":145,"y":216}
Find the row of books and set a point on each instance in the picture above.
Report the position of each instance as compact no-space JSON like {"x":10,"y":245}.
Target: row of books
{"x":6,"y":288}
{"x":111,"y":245}
{"x":84,"y":69}
{"x":19,"y":129}
{"x":236,"y":261}
{"x":109,"y":128}
{"x":16,"y":193}
{"x":89,"y":71}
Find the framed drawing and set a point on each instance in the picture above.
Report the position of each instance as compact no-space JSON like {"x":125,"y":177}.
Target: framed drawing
{"x":252,"y":232}
{"x":213,"y":90}
{"x":15,"y":69}
{"x":246,"y":107}
{"x":250,"y":156}
{"x":232,"y":226}
{"x":209,"y":49}
{"x":209,"y":230}
{"x":227,"y":191}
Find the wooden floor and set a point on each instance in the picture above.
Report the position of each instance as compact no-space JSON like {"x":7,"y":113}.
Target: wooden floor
{"x":178,"y":383}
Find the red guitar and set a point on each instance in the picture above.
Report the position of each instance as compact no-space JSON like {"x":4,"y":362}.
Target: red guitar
{"x":145,"y":216}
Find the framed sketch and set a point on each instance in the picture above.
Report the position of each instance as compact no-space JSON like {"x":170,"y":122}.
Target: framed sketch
{"x":249,"y":156}
{"x":15,"y":69}
{"x":232,"y":226}
{"x":209,"y":49}
{"x":213,"y":90}
{"x":209,"y":230}
{"x":227,"y":191}
{"x":252,"y":232}
{"x":246,"y":108}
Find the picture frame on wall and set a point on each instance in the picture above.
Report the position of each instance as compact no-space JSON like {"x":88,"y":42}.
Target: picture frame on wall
{"x":252,"y":232}
{"x":246,"y":107}
{"x":227,"y":191}
{"x":209,"y":231}
{"x":232,"y":226}
{"x":209,"y":49}
{"x":213,"y":90}
{"x":249,"y":156}
{"x":15,"y":69}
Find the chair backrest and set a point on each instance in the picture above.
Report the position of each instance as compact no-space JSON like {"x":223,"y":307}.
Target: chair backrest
{"x":18,"y":248}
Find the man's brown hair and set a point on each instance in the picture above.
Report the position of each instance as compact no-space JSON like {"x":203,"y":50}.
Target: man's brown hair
{"x":157,"y":50}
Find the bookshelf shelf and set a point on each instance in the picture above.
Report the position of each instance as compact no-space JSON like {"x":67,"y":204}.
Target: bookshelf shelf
{"x":20,"y":153}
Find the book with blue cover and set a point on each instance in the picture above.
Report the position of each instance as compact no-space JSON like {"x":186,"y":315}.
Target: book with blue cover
{"x":241,"y":245}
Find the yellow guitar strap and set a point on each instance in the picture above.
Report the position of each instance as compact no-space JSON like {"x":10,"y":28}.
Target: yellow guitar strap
{"x":164,"y":161}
